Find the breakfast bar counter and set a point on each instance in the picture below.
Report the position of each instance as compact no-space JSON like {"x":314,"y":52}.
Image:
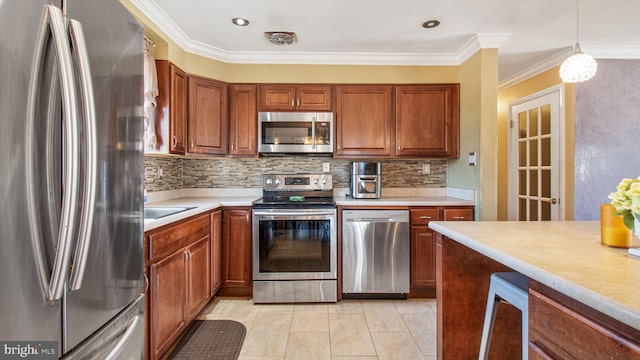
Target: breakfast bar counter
{"x":565,"y":263}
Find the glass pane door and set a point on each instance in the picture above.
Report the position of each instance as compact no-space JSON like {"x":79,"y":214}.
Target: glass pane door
{"x":534,"y":165}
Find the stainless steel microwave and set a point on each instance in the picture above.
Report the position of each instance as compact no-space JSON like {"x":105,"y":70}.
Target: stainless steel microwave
{"x":295,"y":133}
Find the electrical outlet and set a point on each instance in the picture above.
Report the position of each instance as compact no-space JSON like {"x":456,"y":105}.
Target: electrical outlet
{"x":326,"y":167}
{"x":426,"y":169}
{"x":160,"y":172}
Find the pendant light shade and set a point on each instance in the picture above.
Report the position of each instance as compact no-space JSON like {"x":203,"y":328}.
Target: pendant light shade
{"x":579,"y":66}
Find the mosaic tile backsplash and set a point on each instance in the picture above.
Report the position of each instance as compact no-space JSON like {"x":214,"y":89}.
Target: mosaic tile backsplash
{"x":181,"y":173}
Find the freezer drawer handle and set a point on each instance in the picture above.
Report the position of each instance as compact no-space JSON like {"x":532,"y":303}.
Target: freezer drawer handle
{"x":124,"y":340}
{"x":89,"y":194}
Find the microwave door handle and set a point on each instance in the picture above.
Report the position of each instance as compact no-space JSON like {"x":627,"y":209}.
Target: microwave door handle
{"x":313,"y":133}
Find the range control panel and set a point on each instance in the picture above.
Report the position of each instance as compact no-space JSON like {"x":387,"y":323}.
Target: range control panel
{"x":296,"y":182}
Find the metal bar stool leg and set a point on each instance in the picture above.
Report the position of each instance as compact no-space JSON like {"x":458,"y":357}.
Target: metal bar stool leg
{"x":513,"y":288}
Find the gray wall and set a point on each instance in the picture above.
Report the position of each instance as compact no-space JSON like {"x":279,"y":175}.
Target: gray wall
{"x":607,"y":134}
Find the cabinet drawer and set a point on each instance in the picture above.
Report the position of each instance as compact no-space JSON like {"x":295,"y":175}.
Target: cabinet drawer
{"x":423,"y":216}
{"x":458,"y":214}
{"x":563,"y":333}
{"x":169,"y":240}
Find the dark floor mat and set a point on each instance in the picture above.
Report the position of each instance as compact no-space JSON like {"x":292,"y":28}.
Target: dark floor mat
{"x":211,"y":339}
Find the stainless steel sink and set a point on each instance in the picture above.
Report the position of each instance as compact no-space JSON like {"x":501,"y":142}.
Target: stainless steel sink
{"x":153,"y":213}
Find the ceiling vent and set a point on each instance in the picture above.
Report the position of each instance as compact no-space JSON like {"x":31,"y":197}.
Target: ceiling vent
{"x":280,"y":37}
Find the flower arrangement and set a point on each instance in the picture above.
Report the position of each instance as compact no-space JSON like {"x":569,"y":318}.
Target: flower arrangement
{"x":627,"y":201}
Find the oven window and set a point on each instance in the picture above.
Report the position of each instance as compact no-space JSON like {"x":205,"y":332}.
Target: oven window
{"x":295,"y":246}
{"x":286,"y":133}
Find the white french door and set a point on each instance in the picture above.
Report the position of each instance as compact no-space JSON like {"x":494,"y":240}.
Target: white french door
{"x":535,"y":161}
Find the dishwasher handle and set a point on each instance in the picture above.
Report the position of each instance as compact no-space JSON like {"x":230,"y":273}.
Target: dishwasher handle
{"x":380,"y":219}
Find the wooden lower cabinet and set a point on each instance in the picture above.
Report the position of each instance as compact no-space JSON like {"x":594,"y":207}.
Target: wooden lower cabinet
{"x":236,"y":252}
{"x":423,"y":245}
{"x":167,"y":316}
{"x":216,"y":251}
{"x":198,"y":276}
{"x":178,"y":263}
{"x":562,"y":328}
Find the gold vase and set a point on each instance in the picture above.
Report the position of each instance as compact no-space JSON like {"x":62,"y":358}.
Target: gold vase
{"x":613,"y":232}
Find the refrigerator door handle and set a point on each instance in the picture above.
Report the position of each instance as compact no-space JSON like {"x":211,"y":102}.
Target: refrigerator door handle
{"x":53,"y":285}
{"x":89,"y":192}
{"x":124,"y":340}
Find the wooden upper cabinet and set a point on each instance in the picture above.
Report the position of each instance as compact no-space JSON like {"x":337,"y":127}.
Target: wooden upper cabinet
{"x":294,"y":98}
{"x":171,"y":108}
{"x":364,"y":123}
{"x":427,"y":120}
{"x":243,"y":121}
{"x":208,"y":121}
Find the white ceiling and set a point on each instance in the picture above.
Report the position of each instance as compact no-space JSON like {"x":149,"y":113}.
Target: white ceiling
{"x":531,"y":36}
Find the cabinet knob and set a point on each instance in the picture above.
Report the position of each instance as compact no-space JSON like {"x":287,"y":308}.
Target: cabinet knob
{"x":458,"y":218}
{"x":232,"y":146}
{"x":398,"y":147}
{"x":175,"y":141}
{"x":298,"y":105}
{"x":192,"y":144}
{"x":425,"y":217}
{"x":292,"y":103}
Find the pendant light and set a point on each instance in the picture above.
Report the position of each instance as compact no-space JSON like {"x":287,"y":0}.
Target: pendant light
{"x":579,"y":66}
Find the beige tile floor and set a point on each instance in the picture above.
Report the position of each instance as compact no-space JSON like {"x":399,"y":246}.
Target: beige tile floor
{"x":347,"y":330}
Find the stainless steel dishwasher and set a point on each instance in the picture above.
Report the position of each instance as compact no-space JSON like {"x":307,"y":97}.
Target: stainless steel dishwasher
{"x":375,"y":253}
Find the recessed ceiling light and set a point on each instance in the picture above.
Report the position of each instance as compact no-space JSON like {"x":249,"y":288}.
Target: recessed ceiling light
{"x":430,"y":24}
{"x":240,"y":21}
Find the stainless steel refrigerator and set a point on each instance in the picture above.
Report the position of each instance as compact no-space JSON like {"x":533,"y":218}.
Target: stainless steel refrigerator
{"x":71,"y":228}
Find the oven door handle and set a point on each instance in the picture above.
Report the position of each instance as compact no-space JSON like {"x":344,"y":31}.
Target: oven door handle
{"x":292,"y":213}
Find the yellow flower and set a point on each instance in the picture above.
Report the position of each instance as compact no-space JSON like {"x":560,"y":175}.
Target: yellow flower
{"x":634,"y":190}
{"x":624,"y":184}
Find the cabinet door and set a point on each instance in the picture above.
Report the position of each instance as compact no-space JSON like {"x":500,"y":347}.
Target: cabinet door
{"x":216,"y":251}
{"x":294,"y":98}
{"x":171,"y":108}
{"x":236,"y":247}
{"x":178,"y":117}
{"x":427,"y":120}
{"x":364,"y":126}
{"x":198,"y":276}
{"x":313,"y":98}
{"x":243,"y":121}
{"x":276,"y":97}
{"x":168,"y":293}
{"x":423,"y":257}
{"x":208,"y":121}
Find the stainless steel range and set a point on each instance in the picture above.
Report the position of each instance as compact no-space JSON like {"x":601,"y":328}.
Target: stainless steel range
{"x":294,"y":240}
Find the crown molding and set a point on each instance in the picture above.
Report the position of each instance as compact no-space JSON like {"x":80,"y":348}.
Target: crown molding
{"x":613,"y":52}
{"x":480,"y":41}
{"x":536,"y":69}
{"x":175,"y":33}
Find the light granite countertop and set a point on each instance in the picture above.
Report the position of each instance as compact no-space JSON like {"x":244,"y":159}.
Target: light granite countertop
{"x":564,"y":255}
{"x":404,"y":201}
{"x":198,"y":205}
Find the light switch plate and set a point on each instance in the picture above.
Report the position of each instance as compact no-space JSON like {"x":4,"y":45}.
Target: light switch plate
{"x":326,"y":167}
{"x":472,"y":159}
{"x":426,"y":169}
